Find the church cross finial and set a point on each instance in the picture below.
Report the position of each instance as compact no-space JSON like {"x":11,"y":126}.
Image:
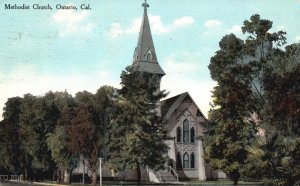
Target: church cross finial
{"x":145,"y":5}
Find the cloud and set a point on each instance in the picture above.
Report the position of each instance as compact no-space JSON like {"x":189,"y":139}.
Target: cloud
{"x":235,"y":29}
{"x":115,"y":30}
{"x":297,"y":38}
{"x":27,"y":79}
{"x":211,"y":24}
{"x":89,"y":27}
{"x":281,"y":27}
{"x":71,"y":22}
{"x":156,"y":24}
{"x":278,"y":28}
{"x":183,"y":21}
{"x":135,"y":25}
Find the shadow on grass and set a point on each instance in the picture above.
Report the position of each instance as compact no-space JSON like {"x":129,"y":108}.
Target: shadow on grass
{"x":220,"y":183}
{"x":128,"y":183}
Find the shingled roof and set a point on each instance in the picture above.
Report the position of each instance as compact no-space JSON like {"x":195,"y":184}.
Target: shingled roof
{"x":169,"y":105}
{"x":144,"y":58}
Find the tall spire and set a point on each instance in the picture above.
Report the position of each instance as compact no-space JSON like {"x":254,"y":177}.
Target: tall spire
{"x":144,"y":58}
{"x":145,"y":5}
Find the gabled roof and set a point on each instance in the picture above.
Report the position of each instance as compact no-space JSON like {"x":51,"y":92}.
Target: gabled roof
{"x":168,"y":106}
{"x":144,"y":58}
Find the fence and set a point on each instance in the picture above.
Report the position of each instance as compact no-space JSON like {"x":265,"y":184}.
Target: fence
{"x":10,"y":178}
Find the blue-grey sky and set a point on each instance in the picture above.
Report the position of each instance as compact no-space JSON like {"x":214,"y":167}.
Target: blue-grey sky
{"x":78,"y":50}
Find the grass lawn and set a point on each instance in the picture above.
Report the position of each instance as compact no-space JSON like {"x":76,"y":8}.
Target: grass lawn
{"x":186,"y":183}
{"x":222,"y":182}
{"x":104,"y":183}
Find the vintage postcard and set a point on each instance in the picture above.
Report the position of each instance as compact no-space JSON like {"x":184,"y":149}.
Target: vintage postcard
{"x":68,"y":98}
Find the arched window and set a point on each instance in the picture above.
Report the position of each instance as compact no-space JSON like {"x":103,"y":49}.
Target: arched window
{"x":178,"y":134}
{"x":186,"y":131}
{"x":186,"y":160}
{"x":149,"y":56}
{"x":178,"y":161}
{"x":192,"y":161}
{"x":192,"y":135}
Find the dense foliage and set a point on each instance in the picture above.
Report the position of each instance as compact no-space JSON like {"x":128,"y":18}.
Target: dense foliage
{"x":253,"y":129}
{"x":253,"y":126}
{"x":50,"y":134}
{"x":137,"y":135}
{"x":46,"y":135}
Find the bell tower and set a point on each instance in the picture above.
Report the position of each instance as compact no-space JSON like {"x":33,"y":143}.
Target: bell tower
{"x":144,"y":57}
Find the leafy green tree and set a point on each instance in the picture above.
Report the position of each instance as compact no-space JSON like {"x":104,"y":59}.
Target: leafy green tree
{"x":282,"y":92}
{"x":258,"y":85}
{"x":276,"y":158}
{"x":87,"y":130}
{"x":10,"y":150}
{"x":137,"y":134}
{"x":38,"y":118}
{"x":104,"y":104}
{"x":279,"y":147}
{"x":65,"y":160}
{"x":278,"y":111}
{"x":229,"y":132}
{"x":81,"y":134}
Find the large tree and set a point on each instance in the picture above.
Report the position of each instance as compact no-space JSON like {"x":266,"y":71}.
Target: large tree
{"x":64,"y":159}
{"x":87,"y":129}
{"x":279,"y":147}
{"x":228,"y":130}
{"x":38,"y":118}
{"x":81,"y":132}
{"x":24,"y":129}
{"x":241,"y":69}
{"x":278,"y":112}
{"x":104,"y":104}
{"x":137,"y":133}
{"x":10,"y":150}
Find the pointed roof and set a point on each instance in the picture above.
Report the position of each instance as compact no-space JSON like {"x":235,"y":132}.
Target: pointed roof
{"x":169,"y":105}
{"x":144,"y":58}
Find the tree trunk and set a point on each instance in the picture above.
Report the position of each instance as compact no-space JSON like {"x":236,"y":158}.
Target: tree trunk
{"x":114,"y":173}
{"x":25,"y":174}
{"x":94,"y":177}
{"x":30,"y":175}
{"x":235,"y":175}
{"x":235,"y":181}
{"x":138,"y":172}
{"x":83,"y":174}
{"x":67,"y":176}
{"x":58,"y":179}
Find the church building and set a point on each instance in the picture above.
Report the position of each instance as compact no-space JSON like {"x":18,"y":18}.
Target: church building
{"x":183,"y":120}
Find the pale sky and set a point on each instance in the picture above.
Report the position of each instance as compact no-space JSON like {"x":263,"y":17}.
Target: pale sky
{"x":76,"y":50}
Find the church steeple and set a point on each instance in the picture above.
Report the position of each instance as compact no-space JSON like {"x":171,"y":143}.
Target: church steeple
{"x":144,"y":58}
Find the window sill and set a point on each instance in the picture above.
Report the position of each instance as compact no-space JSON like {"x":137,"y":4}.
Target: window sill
{"x":183,"y":169}
{"x":185,"y":143}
